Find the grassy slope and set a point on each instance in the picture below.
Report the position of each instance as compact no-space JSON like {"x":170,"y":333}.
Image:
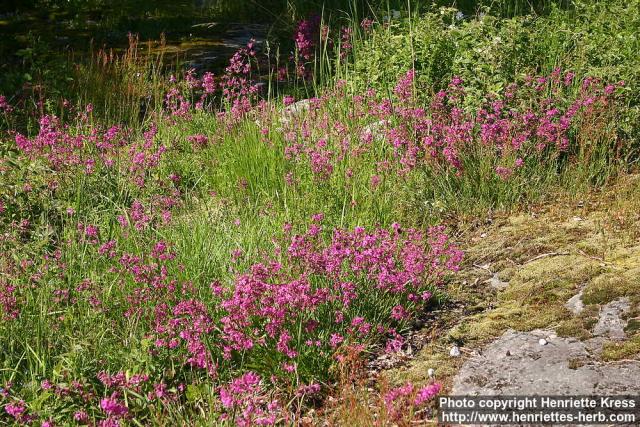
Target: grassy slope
{"x":234,"y":195}
{"x":546,"y":253}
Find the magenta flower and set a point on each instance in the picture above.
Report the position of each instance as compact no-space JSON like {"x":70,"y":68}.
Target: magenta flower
{"x":336,"y":340}
{"x":4,"y":105}
{"x":113,"y":407}
{"x":81,"y":417}
{"x":16,"y":410}
{"x":427,"y":393}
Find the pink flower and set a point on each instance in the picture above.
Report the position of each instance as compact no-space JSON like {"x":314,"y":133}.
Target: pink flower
{"x":336,"y":340}
{"x":245,"y":397}
{"x":427,"y":393}
{"x":398,"y":312}
{"x":198,"y":141}
{"x":404,"y":88}
{"x":375,"y":181}
{"x":91,"y":231}
{"x":112,"y":407}
{"x":4,"y":105}
{"x":16,"y":410}
{"x":208,"y":83}
{"x":306,"y":36}
{"x":310,"y":389}
{"x":366,"y":24}
{"x":81,"y":417}
{"x":503,"y":172}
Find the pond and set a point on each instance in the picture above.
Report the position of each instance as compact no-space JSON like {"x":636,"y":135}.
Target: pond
{"x":202,"y":34}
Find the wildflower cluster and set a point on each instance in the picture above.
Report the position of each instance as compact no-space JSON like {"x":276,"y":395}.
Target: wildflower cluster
{"x":322,"y":296}
{"x":234,"y":90}
{"x":163,"y":246}
{"x":534,"y":122}
{"x":531,"y":122}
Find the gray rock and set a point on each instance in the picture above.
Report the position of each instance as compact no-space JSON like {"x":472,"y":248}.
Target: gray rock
{"x":496,"y":283}
{"x":575,"y":303}
{"x":515,"y":364}
{"x":376,"y":129}
{"x":610,"y":322}
{"x":295,"y":110}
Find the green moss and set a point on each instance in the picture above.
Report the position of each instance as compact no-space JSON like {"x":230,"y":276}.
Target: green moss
{"x":502,"y":266}
{"x":608,"y":287}
{"x":512,"y":315}
{"x":580,"y":326}
{"x":633,"y":326}
{"x":506,"y":274}
{"x":625,"y":258}
{"x":574,"y":268}
{"x":617,"y":350}
{"x":538,"y":292}
{"x":591,"y":247}
{"x":576,"y":363}
{"x":435,"y":356}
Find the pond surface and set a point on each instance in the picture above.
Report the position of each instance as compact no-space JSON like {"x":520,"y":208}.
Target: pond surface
{"x":202,"y":34}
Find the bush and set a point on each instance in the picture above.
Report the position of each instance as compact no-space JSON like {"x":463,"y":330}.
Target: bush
{"x":489,"y":52}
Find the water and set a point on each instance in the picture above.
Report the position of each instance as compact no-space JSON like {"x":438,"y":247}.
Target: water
{"x":202,"y":34}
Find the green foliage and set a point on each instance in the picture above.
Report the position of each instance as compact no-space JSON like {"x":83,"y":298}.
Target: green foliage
{"x":488,"y":52}
{"x":234,"y":193}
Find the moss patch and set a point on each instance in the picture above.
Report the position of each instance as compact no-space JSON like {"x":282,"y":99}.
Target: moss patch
{"x":618,"y":350}
{"x":605,"y":288}
{"x":580,"y":326}
{"x":547,"y":255}
{"x":434,"y":356}
{"x":633,"y":326}
{"x":534,"y":299}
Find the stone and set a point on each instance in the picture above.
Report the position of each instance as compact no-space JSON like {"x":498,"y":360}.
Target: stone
{"x":295,"y":110}
{"x":575,"y":303}
{"x":610,"y":322}
{"x":376,"y":130}
{"x":496,"y":283}
{"x":534,"y":369}
{"x":455,"y":351}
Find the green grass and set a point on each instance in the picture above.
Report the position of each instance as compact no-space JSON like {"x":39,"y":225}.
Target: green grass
{"x":238,"y":192}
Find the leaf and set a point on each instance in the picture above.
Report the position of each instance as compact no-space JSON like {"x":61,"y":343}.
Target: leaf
{"x":193,"y":393}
